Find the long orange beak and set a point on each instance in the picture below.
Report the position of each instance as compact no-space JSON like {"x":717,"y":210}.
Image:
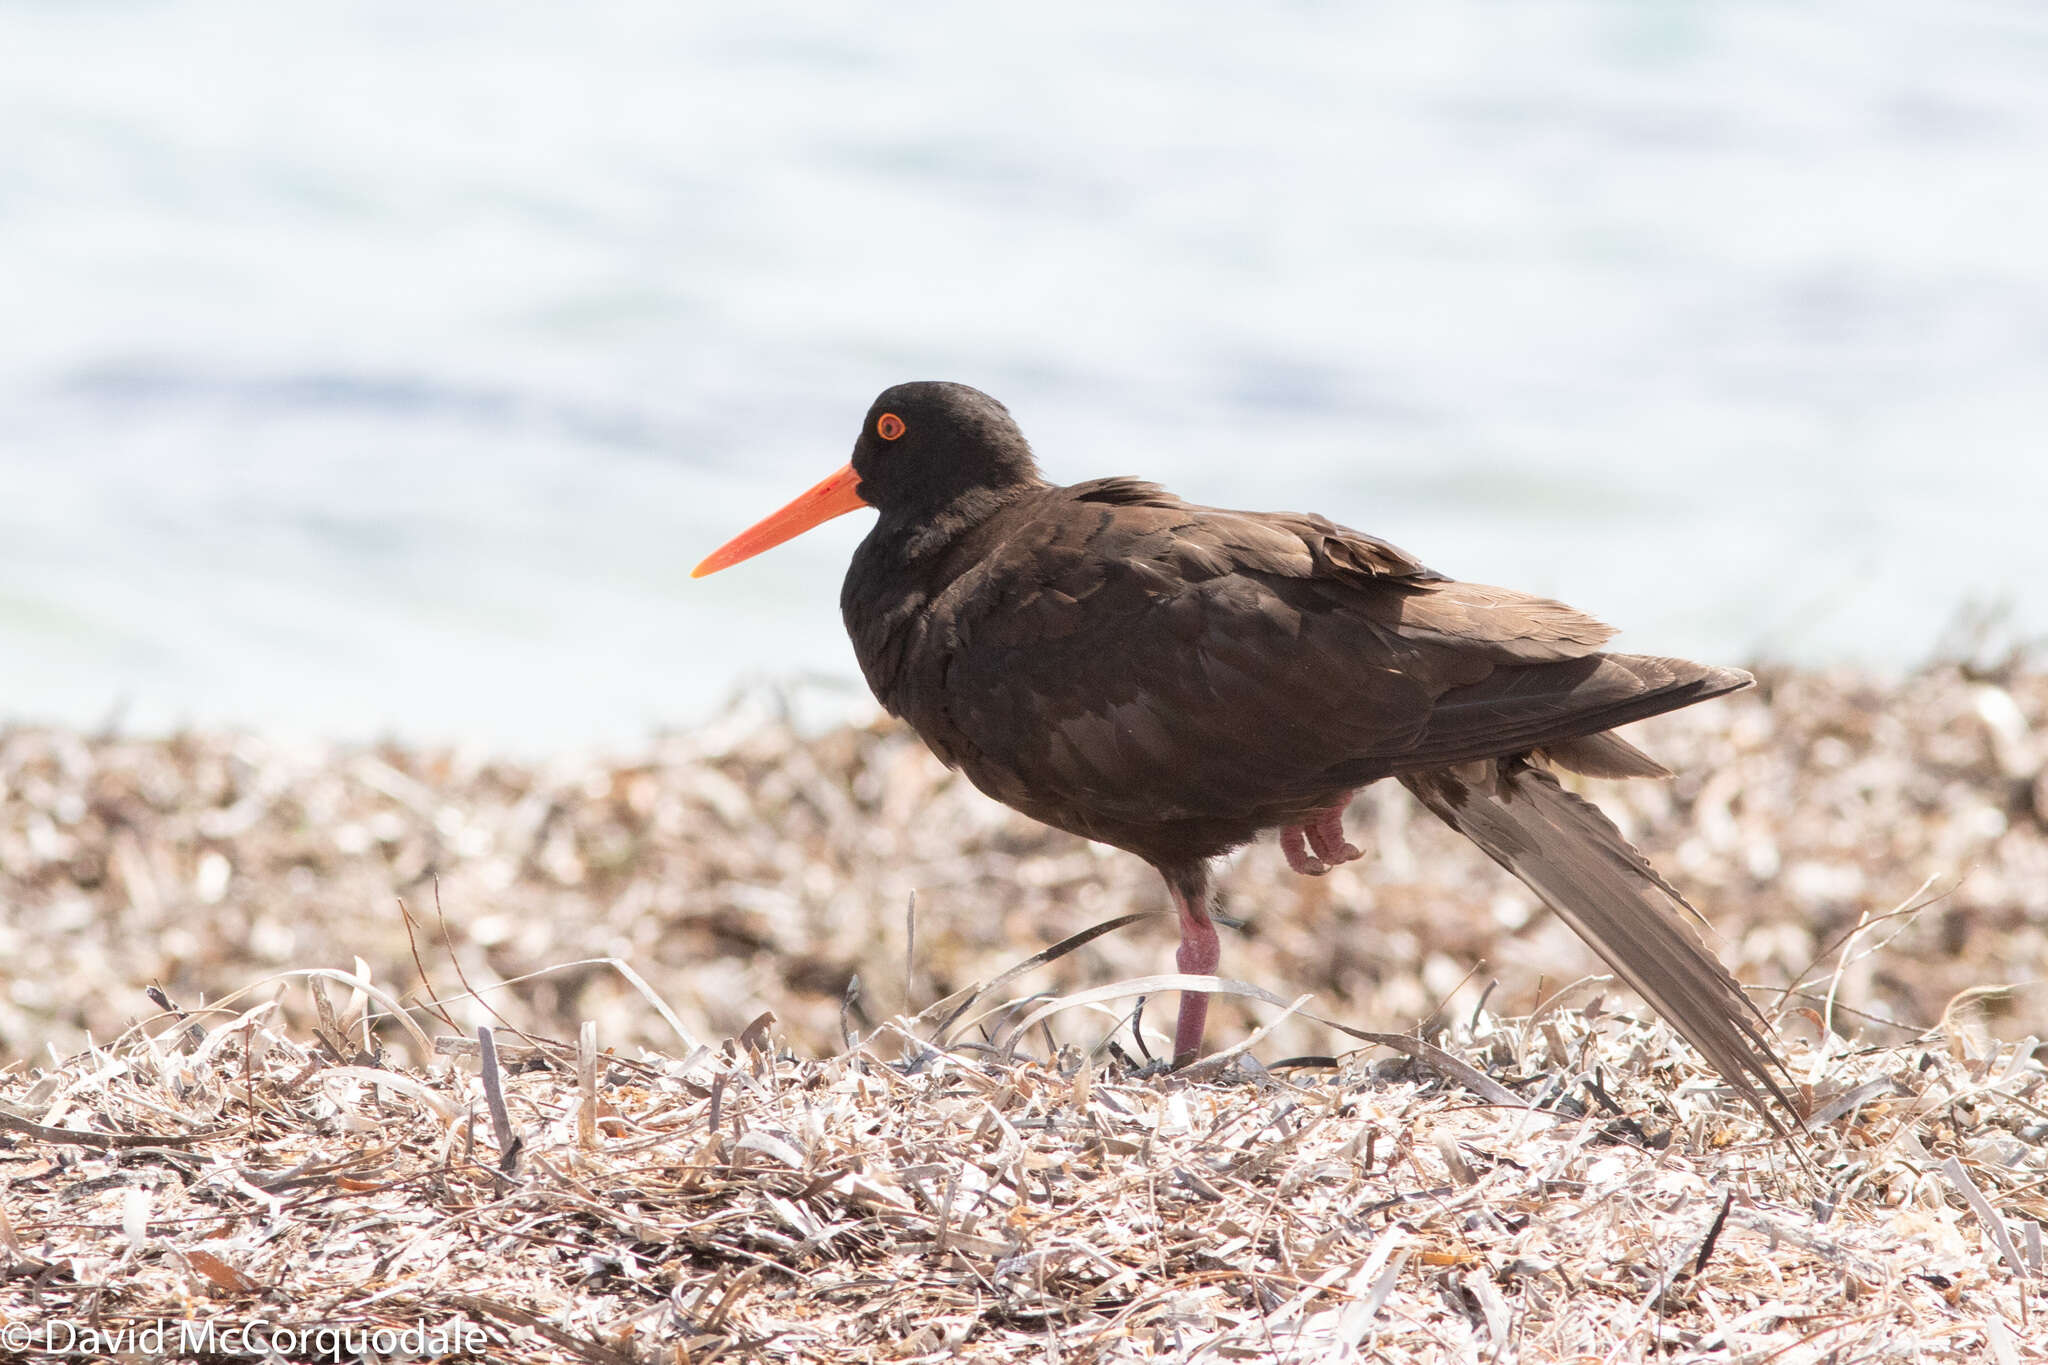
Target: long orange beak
{"x":834,"y":497}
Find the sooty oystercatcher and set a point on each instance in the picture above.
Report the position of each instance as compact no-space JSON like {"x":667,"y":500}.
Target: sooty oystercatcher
{"x":1175,"y":680}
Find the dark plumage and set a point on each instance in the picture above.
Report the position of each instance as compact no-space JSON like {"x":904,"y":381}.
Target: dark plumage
{"x":1175,"y":680}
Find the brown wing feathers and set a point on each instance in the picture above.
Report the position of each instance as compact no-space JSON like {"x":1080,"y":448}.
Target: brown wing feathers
{"x":1549,"y":706}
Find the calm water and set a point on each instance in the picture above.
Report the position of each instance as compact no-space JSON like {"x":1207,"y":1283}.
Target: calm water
{"x":387,"y":369}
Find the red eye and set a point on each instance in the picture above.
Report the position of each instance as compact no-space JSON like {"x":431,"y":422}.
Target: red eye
{"x":888,"y":426}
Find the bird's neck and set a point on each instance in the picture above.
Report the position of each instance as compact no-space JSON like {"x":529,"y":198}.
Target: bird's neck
{"x":920,"y":536}
{"x":906,"y":563}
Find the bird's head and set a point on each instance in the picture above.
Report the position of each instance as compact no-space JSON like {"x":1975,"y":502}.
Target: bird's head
{"x":924,"y":448}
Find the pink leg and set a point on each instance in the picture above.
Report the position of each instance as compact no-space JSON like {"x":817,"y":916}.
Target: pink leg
{"x":1200,"y":951}
{"x":1324,"y":833}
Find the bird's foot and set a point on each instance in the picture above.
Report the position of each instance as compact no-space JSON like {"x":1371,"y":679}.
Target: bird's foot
{"x":1294,"y":844}
{"x":1318,"y":844}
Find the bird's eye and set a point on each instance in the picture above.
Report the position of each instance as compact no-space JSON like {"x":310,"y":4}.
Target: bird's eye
{"x":888,"y":426}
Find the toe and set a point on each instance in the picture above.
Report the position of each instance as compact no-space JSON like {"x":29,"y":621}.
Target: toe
{"x":1294,"y":844}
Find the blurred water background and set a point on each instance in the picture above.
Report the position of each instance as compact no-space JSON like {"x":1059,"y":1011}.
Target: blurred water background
{"x":384,"y":368}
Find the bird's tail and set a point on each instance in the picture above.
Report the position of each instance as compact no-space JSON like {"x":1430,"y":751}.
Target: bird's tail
{"x":1572,"y":856}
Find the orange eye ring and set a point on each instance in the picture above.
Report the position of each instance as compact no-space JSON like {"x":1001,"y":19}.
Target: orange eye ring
{"x":888,"y":426}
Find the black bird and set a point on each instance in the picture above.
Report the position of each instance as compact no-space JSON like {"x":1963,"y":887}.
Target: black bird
{"x":1175,"y":680}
